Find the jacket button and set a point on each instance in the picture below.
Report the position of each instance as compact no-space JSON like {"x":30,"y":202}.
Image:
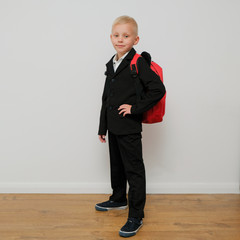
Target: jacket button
{"x":110,"y":108}
{"x":111,"y":94}
{"x":113,"y":80}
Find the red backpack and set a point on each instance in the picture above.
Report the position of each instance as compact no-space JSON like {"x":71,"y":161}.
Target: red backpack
{"x":156,"y":113}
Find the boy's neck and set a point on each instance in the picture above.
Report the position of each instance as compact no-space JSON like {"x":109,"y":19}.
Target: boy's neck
{"x":119,"y":55}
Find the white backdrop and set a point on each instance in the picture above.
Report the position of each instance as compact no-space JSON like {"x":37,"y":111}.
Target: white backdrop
{"x":52,"y":61}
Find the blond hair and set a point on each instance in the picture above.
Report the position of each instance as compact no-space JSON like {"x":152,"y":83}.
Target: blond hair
{"x":126,"y":19}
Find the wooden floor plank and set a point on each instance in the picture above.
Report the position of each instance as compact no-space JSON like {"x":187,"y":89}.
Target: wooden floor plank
{"x":73,"y":217}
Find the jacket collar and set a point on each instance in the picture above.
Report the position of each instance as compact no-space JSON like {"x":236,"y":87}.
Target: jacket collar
{"x":125,"y":62}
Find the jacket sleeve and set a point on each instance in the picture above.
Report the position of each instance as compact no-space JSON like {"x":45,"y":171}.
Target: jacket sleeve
{"x":102,"y":130}
{"x":153,"y":85}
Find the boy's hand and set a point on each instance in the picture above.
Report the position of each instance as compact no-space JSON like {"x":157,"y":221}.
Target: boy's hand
{"x":102,"y":138}
{"x":126,"y":109}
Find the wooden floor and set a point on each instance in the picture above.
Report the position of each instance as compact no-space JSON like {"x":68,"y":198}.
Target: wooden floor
{"x":73,"y":217}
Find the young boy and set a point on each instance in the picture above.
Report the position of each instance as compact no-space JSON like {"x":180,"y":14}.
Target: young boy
{"x":121,"y":115}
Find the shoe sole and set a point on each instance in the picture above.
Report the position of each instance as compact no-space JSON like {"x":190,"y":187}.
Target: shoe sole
{"x":129,"y":234}
{"x":98,"y":208}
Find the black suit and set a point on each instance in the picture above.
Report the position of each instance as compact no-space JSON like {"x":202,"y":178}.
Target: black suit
{"x":120,"y":89}
{"x":124,"y":135}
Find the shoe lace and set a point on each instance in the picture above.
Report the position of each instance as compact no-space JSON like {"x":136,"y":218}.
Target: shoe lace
{"x":131,"y":219}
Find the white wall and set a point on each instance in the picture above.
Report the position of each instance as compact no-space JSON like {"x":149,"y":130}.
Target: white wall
{"x":52,"y":61}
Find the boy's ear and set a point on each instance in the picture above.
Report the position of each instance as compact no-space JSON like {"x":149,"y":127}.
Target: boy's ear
{"x":136,"y":40}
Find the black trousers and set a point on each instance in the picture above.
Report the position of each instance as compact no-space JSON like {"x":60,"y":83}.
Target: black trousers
{"x":127,"y":164}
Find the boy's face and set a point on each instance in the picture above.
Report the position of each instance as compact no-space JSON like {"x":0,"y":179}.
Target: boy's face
{"x":123,"y":38}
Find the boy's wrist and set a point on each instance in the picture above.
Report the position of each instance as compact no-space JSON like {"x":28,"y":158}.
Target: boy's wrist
{"x":102,"y":132}
{"x":133,"y":108}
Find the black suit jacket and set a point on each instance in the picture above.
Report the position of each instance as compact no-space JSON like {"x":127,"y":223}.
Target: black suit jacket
{"x":120,"y":89}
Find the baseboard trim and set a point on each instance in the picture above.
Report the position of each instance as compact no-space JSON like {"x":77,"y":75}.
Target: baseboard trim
{"x":105,"y":188}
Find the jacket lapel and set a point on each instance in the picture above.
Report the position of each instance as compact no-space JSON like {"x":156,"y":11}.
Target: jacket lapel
{"x":110,"y":69}
{"x":125,"y":62}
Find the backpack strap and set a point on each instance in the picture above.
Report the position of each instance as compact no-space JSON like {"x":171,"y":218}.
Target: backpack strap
{"x":133,"y":64}
{"x":134,"y":74}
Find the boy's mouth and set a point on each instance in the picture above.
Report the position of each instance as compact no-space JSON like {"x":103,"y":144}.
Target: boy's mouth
{"x":120,"y":45}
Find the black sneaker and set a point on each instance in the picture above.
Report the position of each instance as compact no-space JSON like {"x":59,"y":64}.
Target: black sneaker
{"x":131,"y":227}
{"x":109,"y":205}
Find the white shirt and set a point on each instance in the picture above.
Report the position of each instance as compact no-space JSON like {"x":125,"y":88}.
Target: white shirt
{"x":116,"y":63}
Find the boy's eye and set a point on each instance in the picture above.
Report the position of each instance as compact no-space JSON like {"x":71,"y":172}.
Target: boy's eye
{"x":116,"y":35}
{"x":126,"y":36}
